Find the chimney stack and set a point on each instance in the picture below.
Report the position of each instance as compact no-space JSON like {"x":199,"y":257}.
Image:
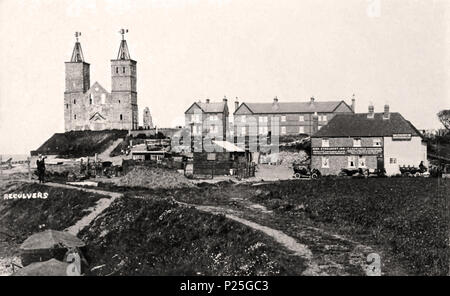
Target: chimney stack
{"x":225,"y":99}
{"x":236,"y":104}
{"x":275,"y":105}
{"x":312,"y":100}
{"x":353,"y":103}
{"x":207,"y":101}
{"x":386,"y":112}
{"x":315,"y":120}
{"x":371,"y":113}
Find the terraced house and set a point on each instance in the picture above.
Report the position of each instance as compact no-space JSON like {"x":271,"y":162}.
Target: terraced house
{"x":368,"y":141}
{"x":293,"y":117}
{"x":208,"y":118}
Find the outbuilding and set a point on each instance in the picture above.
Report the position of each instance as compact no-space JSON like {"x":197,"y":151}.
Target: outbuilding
{"x":383,"y":141}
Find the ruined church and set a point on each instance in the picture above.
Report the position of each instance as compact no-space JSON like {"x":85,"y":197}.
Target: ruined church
{"x":89,"y":107}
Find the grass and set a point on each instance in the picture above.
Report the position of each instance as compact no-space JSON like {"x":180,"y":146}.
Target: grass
{"x":80,"y":143}
{"x":409,"y":218}
{"x":155,"y":236}
{"x":20,"y":218}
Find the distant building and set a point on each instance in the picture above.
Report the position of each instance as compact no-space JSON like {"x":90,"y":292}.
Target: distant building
{"x":368,"y":141}
{"x":89,"y":107}
{"x":293,"y":117}
{"x":147,"y":119}
{"x":208,"y":118}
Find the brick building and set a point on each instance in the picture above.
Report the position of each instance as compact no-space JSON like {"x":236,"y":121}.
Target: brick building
{"x":208,"y":118}
{"x":368,"y":141}
{"x":293,"y":117}
{"x":89,"y":107}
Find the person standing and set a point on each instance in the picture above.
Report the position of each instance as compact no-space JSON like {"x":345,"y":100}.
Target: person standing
{"x":40,"y":163}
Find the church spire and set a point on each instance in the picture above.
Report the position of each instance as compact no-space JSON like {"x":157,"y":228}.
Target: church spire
{"x":123,"y":54}
{"x":77,"y":54}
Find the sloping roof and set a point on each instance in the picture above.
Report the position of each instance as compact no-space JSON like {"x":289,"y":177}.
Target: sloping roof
{"x":211,"y":107}
{"x":358,"y":125}
{"x":294,"y":107}
{"x":123,"y":53}
{"x":228,"y":146}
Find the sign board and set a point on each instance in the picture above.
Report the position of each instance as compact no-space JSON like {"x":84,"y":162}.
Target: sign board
{"x":347,"y":151}
{"x":401,"y":137}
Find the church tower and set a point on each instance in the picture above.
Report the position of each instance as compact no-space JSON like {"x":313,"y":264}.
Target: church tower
{"x":77,"y":83}
{"x":123,"y":88}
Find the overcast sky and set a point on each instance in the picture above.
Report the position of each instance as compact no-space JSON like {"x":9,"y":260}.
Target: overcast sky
{"x":394,"y":52}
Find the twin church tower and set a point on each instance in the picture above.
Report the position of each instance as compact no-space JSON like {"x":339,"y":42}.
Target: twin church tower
{"x":89,"y":107}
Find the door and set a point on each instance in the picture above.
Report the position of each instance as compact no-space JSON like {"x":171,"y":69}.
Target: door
{"x":380,"y":163}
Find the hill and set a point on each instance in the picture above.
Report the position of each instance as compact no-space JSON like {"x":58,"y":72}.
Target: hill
{"x":79,"y":143}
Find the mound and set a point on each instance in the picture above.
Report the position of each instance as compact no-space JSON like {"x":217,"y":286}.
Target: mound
{"x":79,"y":143}
{"x":153,"y":236}
{"x":152,"y":177}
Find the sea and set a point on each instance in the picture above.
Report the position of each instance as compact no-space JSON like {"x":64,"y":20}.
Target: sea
{"x":15,"y":157}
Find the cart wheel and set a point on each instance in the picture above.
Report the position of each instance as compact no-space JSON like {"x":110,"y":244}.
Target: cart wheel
{"x":315,"y":176}
{"x":297,"y":175}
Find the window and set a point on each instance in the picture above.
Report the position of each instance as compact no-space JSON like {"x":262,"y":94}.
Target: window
{"x":75,"y":116}
{"x":263,"y":130}
{"x":351,"y":162}
{"x":283,"y":130}
{"x":243,"y":119}
{"x":121,"y":117}
{"x":67,"y":106}
{"x":117,"y":70}
{"x":214,"y":129}
{"x":356,"y":142}
{"x":319,"y":127}
{"x":283,"y":118}
{"x":392,"y":160}
{"x":263,"y":119}
{"x":325,"y":162}
{"x":377,"y":142}
{"x":74,"y":102}
{"x":213,"y":118}
{"x":301,"y":129}
{"x":325,"y":143}
{"x":243,"y":131}
{"x":362,"y":162}
{"x":123,"y":70}
{"x":90,"y":101}
{"x":103,"y":98}
{"x":324,"y":118}
{"x":196,"y":118}
{"x":211,"y":156}
{"x":301,"y":118}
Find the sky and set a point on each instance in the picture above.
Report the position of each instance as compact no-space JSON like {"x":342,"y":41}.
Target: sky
{"x":392,"y":52}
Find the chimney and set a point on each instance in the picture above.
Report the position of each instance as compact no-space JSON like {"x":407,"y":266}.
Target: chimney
{"x":386,"y":112}
{"x":207,"y":101}
{"x":275,"y":105}
{"x":225,"y":99}
{"x":312,"y":100}
{"x":371,"y":114}
{"x":236,"y":104}
{"x":353,"y":103}
{"x":315,"y":121}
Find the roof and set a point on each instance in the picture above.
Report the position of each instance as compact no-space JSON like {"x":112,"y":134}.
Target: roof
{"x":228,"y":146}
{"x":123,"y":53}
{"x":211,"y":107}
{"x":358,"y":125}
{"x":49,"y":239}
{"x":294,"y":107}
{"x":77,"y":54}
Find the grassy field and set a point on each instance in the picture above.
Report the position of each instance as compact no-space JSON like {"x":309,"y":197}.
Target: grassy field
{"x":22,"y":217}
{"x":156,"y":236}
{"x":407,"y":219}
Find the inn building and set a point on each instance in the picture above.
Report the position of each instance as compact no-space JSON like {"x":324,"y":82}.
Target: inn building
{"x":369,"y":141}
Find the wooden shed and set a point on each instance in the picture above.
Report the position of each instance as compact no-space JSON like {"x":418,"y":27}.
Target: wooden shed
{"x":225,"y":159}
